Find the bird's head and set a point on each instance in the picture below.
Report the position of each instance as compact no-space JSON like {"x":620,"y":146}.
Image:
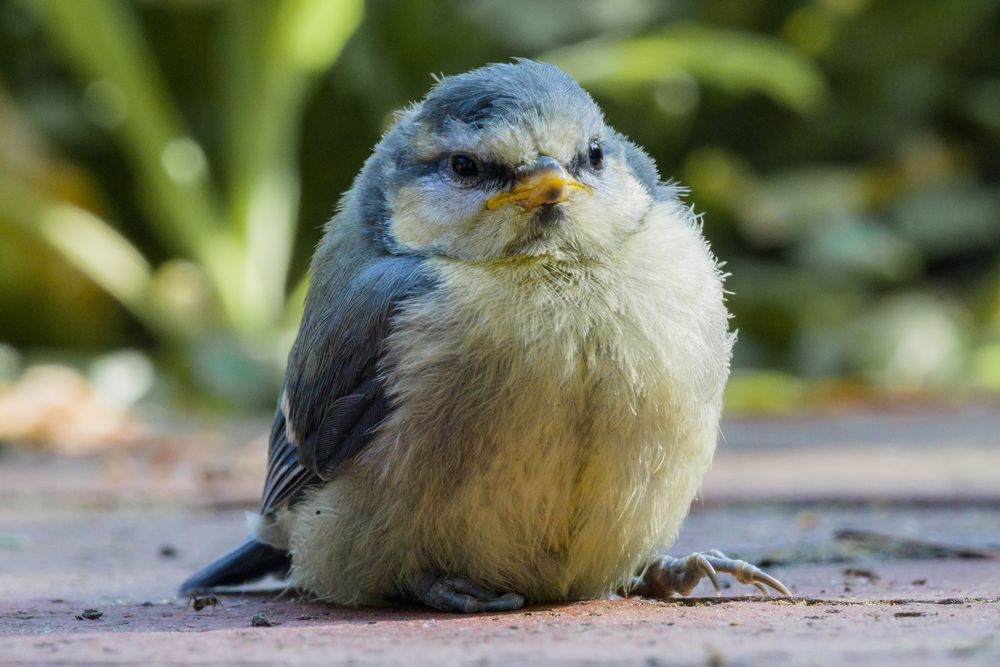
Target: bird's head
{"x":509,"y":160}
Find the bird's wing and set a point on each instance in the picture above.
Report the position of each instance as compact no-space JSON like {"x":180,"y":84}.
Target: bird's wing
{"x":334,"y":395}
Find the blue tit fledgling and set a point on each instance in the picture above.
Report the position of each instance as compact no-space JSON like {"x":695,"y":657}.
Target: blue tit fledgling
{"x":508,"y":378}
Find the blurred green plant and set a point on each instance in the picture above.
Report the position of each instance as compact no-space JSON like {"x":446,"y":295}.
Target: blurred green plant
{"x":235,"y":221}
{"x":732,"y":60}
{"x":846,"y":154}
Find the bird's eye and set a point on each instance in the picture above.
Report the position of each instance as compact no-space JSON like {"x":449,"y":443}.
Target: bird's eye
{"x":465,"y":167}
{"x":595,"y":154}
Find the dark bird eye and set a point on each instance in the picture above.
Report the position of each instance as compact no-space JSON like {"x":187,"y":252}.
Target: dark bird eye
{"x":464,"y":167}
{"x":596,"y":154}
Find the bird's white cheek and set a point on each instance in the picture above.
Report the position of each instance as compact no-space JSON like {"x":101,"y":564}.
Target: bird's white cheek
{"x":614,"y":210}
{"x":455,"y":224}
{"x":423,"y":219}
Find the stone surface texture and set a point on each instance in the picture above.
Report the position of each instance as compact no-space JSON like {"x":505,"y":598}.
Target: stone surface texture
{"x":885,"y":525}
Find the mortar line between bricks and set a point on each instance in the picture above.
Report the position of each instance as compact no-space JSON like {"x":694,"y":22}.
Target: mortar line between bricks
{"x":807,"y":602}
{"x":848,"y":501}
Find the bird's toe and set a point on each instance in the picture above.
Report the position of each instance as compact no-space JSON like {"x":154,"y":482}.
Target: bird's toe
{"x":457,"y":594}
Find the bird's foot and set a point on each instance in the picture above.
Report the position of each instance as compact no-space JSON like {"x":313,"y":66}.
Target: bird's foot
{"x":451,"y":593}
{"x":678,"y":576}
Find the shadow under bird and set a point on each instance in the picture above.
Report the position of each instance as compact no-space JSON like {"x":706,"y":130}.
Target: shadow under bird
{"x":508,"y":379}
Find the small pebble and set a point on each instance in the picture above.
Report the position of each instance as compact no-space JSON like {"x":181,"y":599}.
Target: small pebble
{"x":89,"y":615}
{"x":260,"y":621}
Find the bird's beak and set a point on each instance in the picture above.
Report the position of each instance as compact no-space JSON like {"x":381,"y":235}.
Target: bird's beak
{"x":545,"y":183}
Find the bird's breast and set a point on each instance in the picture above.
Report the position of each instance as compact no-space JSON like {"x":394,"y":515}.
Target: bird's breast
{"x":555,"y":415}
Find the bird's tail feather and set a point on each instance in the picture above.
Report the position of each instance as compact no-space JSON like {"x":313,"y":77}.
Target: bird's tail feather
{"x":248,"y":562}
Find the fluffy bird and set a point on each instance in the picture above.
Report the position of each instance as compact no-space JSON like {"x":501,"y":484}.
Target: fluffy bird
{"x":508,"y":377}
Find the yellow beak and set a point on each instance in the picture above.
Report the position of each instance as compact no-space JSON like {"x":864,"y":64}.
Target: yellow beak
{"x":547,"y":183}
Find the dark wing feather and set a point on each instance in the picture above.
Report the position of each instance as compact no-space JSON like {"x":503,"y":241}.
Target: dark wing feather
{"x":334,"y":393}
{"x":341,"y":419}
{"x":373,"y":415}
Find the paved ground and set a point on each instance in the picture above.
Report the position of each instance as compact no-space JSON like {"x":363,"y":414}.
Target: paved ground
{"x":886,"y":527}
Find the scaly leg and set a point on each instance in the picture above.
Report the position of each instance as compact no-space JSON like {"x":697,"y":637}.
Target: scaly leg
{"x":451,"y":593}
{"x":678,"y":576}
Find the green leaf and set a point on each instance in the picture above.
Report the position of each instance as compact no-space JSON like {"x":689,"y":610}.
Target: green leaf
{"x":88,"y":243}
{"x":734,"y":61}
{"x":272,"y":53}
{"x":311,"y":33}
{"x":103,"y":41}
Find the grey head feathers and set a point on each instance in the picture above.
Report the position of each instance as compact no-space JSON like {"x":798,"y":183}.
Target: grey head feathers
{"x":489,"y":99}
{"x":507,"y":93}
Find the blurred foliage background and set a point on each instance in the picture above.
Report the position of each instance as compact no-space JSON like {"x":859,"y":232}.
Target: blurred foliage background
{"x":166,"y":167}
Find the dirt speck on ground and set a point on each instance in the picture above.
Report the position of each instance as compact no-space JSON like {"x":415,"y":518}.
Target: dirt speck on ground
{"x":260,"y":621}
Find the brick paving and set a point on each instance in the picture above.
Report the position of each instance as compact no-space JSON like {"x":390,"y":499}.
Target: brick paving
{"x":885,"y":526}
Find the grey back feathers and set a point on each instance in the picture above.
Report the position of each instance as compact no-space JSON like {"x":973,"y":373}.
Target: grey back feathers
{"x":334,"y":397}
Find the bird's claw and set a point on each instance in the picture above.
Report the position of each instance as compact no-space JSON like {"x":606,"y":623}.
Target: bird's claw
{"x":457,"y":594}
{"x":678,"y":576}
